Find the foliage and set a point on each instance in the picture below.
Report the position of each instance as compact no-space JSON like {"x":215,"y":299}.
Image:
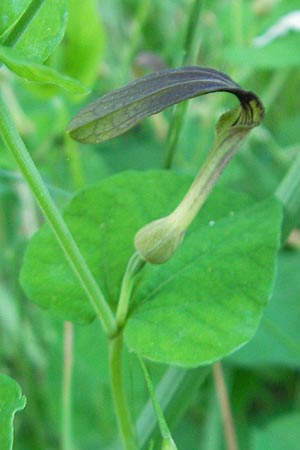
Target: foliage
{"x":211,"y":297}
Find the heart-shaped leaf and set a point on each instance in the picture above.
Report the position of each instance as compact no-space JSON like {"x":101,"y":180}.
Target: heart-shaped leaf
{"x":103,"y":220}
{"x":202,"y":304}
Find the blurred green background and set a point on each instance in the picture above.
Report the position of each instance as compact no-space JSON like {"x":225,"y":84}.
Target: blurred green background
{"x":105,"y":45}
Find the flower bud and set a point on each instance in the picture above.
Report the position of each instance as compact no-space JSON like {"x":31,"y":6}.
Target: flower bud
{"x":158,"y":240}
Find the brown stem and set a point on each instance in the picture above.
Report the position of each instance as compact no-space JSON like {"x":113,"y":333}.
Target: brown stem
{"x":66,"y":429}
{"x":227,"y":419}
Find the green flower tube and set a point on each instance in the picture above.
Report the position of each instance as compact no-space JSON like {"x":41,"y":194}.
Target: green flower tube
{"x":157,"y":241}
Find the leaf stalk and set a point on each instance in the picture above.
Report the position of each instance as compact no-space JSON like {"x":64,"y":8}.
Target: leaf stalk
{"x":135,"y":264}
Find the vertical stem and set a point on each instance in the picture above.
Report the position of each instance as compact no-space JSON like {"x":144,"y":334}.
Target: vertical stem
{"x":118,"y":392}
{"x":71,"y":150}
{"x":229,"y":431}
{"x":189,"y":57}
{"x":16,"y":146}
{"x":66,"y":423}
{"x":68,"y":335}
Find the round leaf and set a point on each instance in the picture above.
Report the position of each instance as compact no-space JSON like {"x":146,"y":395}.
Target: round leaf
{"x":202,"y":304}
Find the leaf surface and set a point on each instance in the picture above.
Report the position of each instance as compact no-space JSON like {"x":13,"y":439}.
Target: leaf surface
{"x":208,"y":301}
{"x":11,"y":401}
{"x":118,"y":111}
{"x":34,"y":28}
{"x":103,"y":220}
{"x":202,"y":304}
{"x":38,"y":73}
{"x":277,"y":339}
{"x":10,"y":13}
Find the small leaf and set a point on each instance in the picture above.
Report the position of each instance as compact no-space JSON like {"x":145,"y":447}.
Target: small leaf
{"x":38,"y":27}
{"x":118,"y":111}
{"x":11,"y":401}
{"x":38,"y":73}
{"x":168,"y":443}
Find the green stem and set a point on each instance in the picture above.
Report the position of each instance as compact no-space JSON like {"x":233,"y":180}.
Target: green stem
{"x":174,"y":392}
{"x":135,"y":264}
{"x":26,"y":165}
{"x":164,"y":429}
{"x":22,"y":23}
{"x":120,"y":402}
{"x":189,"y":57}
{"x":72,"y":153}
{"x":66,"y":427}
{"x":209,"y":173}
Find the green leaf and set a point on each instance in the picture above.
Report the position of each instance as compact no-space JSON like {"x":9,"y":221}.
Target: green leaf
{"x":202,"y":304}
{"x":168,"y":443}
{"x":103,"y":220}
{"x":9,"y":14}
{"x":280,"y":433}
{"x":118,"y":111}
{"x":277,"y":339}
{"x":39,"y":28}
{"x":174,"y":391}
{"x":38,"y":73}
{"x":11,"y":401}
